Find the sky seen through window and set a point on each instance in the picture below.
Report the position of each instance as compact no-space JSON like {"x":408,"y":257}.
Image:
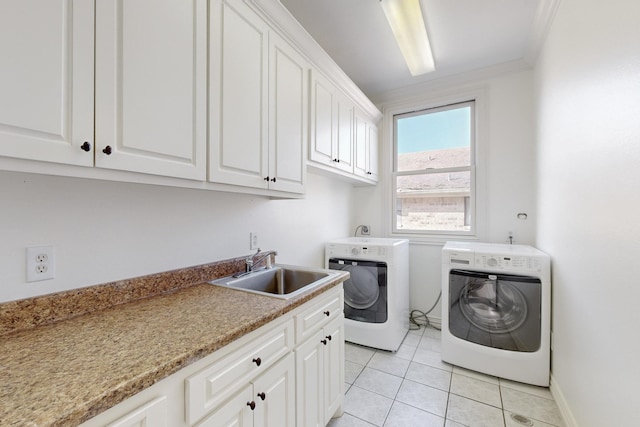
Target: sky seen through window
{"x":434,"y":131}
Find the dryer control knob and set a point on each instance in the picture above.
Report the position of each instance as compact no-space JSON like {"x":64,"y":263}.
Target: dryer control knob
{"x":492,"y":262}
{"x":354,"y":251}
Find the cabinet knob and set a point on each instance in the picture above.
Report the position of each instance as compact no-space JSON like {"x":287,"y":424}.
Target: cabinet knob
{"x":273,"y":179}
{"x":336,"y":160}
{"x":107,"y":150}
{"x":323,"y":342}
{"x":257,"y":361}
{"x":262,"y":395}
{"x":327,"y":313}
{"x":86,"y":146}
{"x":251,"y":405}
{"x":266,"y":178}
{"x":328,"y":337}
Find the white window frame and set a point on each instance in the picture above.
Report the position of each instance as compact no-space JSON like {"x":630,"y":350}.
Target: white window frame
{"x":430,"y":102}
{"x":471,"y":169}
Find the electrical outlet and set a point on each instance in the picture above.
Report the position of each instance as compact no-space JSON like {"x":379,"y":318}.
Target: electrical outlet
{"x":253,"y":240}
{"x":365,"y":230}
{"x":40,"y":263}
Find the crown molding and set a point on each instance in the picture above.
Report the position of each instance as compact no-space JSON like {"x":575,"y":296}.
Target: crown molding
{"x":288,"y":27}
{"x":466,"y":78}
{"x":545,"y":14}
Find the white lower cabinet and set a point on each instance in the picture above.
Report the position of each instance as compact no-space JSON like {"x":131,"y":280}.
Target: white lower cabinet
{"x":333,"y":368}
{"x":209,"y":388}
{"x":288,"y":373}
{"x":153,"y":413}
{"x":269,"y":401}
{"x":234,"y":412}
{"x":320,"y":360}
{"x":320,"y":375}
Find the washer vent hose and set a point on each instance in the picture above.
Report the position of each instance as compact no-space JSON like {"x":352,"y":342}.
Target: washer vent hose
{"x":419,"y":318}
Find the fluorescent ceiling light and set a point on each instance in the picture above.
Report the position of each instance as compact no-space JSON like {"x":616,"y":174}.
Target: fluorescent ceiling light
{"x":407,"y":24}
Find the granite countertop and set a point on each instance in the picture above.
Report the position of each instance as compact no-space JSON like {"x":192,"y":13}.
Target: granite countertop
{"x":68,"y":371}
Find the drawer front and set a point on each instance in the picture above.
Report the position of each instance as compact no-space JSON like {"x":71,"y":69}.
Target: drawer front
{"x":319,"y":314}
{"x":210,"y":387}
{"x":151,"y":414}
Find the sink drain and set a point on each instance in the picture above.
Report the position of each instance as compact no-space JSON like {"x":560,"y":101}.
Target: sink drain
{"x":521,"y":419}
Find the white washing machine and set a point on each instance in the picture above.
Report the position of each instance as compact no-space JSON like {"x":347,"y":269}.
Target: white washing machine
{"x":376,"y":296}
{"x":496,"y":310}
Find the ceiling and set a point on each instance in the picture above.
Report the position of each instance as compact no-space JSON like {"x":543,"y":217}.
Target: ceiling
{"x":465,"y":35}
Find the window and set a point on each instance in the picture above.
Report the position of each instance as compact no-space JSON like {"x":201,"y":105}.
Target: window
{"x":434,"y":170}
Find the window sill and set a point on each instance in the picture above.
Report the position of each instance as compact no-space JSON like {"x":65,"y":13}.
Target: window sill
{"x":435,"y":239}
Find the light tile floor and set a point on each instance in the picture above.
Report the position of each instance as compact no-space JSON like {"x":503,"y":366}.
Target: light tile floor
{"x":414,"y":388}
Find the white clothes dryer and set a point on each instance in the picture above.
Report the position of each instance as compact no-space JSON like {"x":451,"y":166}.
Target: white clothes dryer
{"x":376,"y":296}
{"x":496,"y":310}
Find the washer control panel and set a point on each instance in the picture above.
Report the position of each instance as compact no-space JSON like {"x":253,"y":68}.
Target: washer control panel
{"x":494,"y":261}
{"x":508,"y":262}
{"x":372,"y":251}
{"x":357,"y":250}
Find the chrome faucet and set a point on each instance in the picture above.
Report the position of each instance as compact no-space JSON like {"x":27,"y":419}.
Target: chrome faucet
{"x":253,"y":259}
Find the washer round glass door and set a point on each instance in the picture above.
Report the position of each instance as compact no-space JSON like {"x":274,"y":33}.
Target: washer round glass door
{"x":361,"y":290}
{"x":495,"y":309}
{"x":492,"y":306}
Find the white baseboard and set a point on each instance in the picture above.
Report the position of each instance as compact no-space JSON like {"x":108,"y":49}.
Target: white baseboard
{"x":563,"y":407}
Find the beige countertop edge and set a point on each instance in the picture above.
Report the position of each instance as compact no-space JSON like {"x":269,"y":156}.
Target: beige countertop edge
{"x":125,"y":363}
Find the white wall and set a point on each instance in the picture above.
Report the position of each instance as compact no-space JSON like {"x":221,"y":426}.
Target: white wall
{"x":104,"y":231}
{"x":506,"y":179}
{"x":587,"y":83}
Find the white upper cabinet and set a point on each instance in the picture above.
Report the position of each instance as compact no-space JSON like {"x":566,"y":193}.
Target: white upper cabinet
{"x":344,"y":141}
{"x":46,"y":80}
{"x":238,"y":94}
{"x":217,"y":93}
{"x":366,"y":149}
{"x":331,"y":125}
{"x":373,"y":148}
{"x":360,"y":166}
{"x":323,"y":126}
{"x":150,"y":84}
{"x":288,"y":116}
{"x":258,"y":93}
{"x":151,"y":62}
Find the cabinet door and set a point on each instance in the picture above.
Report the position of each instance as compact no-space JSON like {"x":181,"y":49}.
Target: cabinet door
{"x":238,"y":91}
{"x":310,"y":381}
{"x":288,"y":123}
{"x":344,"y":141}
{"x":46,"y":80}
{"x":360,"y":164}
{"x":235,"y":412}
{"x":372,"y":152}
{"x":208,"y":388}
{"x":275,"y":395}
{"x":151,"y":86}
{"x":323,"y":125}
{"x":333,"y":367}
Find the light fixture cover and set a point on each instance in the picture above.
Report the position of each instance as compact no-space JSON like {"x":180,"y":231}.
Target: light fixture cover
{"x":407,"y":24}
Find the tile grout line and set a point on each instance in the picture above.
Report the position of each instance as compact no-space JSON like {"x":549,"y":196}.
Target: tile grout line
{"x":449,"y":392}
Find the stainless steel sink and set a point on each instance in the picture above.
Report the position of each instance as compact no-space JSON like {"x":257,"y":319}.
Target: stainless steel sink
{"x":280,"y":281}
